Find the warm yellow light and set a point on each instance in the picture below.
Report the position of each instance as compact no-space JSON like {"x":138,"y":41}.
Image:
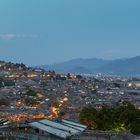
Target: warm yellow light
{"x":65,"y":99}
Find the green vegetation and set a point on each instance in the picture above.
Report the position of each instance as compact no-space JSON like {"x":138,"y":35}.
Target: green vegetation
{"x":31,"y":102}
{"x":55,"y":104}
{"x":31,"y":93}
{"x":124,"y":117}
{"x":4,"y":102}
{"x":9,"y":83}
{"x":1,"y":83}
{"x":44,"y":84}
{"x":61,"y":113}
{"x":31,"y":97}
{"x":6,"y":82}
{"x":9,"y":66}
{"x":13,"y":66}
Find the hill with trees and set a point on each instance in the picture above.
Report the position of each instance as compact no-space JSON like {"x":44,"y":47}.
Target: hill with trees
{"x":123,"y":117}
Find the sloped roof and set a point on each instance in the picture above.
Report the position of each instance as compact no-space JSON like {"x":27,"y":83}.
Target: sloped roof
{"x":61,"y":129}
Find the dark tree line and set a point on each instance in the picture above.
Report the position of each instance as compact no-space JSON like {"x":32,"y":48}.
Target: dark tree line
{"x":123,"y":117}
{"x":4,"y":102}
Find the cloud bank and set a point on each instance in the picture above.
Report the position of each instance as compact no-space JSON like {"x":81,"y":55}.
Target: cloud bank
{"x":11,"y":36}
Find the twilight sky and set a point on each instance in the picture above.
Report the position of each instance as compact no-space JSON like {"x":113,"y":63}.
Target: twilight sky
{"x":48,"y":31}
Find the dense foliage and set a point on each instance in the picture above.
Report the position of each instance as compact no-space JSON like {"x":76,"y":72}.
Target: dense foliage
{"x":123,"y":117}
{"x":6,"y":82}
{"x":4,"y":102}
{"x":31,"y":93}
{"x":31,"y":102}
{"x":10,"y":65}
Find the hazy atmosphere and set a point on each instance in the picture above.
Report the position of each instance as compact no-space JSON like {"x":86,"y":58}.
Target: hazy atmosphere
{"x":70,"y":69}
{"x":48,"y":31}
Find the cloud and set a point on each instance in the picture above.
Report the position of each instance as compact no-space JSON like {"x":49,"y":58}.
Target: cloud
{"x":11,"y":36}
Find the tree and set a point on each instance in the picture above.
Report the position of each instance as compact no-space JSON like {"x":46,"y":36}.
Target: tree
{"x":123,"y":117}
{"x":31,"y":102}
{"x":4,"y":102}
{"x":61,"y":113}
{"x":31,"y":93}
{"x":105,"y":118}
{"x":87,"y":116}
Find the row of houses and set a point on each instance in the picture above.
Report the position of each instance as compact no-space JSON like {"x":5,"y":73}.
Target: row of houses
{"x":56,"y":129}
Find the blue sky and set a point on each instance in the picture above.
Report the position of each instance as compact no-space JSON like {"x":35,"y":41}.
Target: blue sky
{"x":48,"y":31}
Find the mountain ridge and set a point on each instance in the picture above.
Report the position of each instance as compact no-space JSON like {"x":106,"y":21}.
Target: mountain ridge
{"x":124,"y":66}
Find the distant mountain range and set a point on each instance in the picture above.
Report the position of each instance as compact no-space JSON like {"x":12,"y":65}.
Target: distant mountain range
{"x":129,"y":66}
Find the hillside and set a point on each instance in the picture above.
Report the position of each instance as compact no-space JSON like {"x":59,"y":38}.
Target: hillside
{"x":129,"y":66}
